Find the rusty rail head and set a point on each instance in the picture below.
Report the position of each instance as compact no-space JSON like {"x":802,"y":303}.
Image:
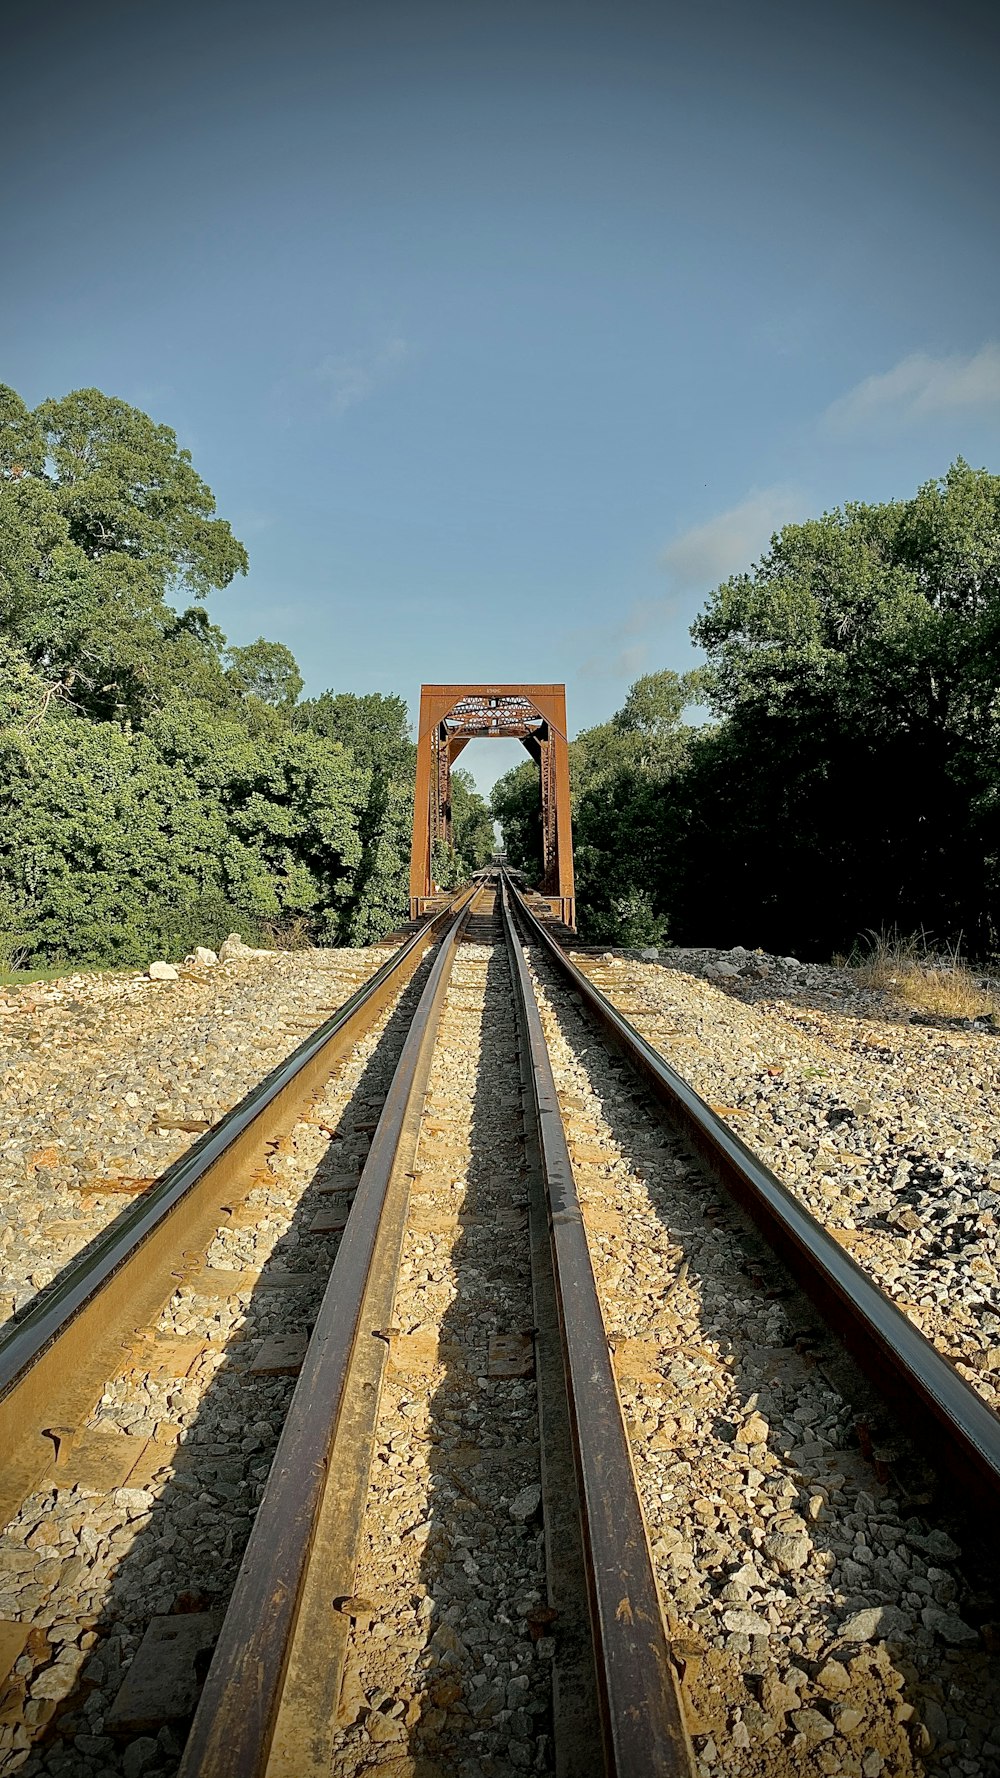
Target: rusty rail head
{"x":955,"y":1428}
{"x":640,"y":1708}
{"x":234,"y":1725}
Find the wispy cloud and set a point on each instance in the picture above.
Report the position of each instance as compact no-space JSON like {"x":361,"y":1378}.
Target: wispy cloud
{"x":615,"y":663}
{"x":695,"y":561}
{"x":251,"y":521}
{"x":920,"y":386}
{"x":353,"y":378}
{"x":699,"y":558}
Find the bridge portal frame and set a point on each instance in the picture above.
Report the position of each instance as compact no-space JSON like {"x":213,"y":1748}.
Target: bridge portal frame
{"x":453,"y":715}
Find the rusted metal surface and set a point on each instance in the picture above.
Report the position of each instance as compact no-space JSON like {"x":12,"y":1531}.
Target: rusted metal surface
{"x":453,"y":715}
{"x":269,"y":1703}
{"x":55,"y":1361}
{"x":954,"y":1426}
{"x":641,"y":1715}
{"x":576,"y":1723}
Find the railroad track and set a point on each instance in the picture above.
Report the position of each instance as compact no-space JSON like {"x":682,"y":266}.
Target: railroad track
{"x":531,"y":1507}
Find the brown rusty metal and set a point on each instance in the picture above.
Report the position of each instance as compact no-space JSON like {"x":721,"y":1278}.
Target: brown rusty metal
{"x":453,"y":715}
{"x":270,"y":1699}
{"x":55,"y":1361}
{"x":576,"y":1722}
{"x":956,"y":1429}
{"x":641,"y":1715}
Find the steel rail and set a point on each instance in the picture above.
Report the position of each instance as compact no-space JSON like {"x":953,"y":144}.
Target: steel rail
{"x":956,"y":1429}
{"x":639,"y":1704}
{"x":270,"y":1699}
{"x":56,"y":1358}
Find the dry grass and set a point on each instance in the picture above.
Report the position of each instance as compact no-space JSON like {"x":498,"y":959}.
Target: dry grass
{"x":14,"y":954}
{"x":926,"y":979}
{"x":293,"y":934}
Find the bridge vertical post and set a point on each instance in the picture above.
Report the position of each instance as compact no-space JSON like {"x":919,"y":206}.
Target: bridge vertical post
{"x":420,"y":855}
{"x":563,"y":816}
{"x":557,"y":838}
{"x":442,"y":810}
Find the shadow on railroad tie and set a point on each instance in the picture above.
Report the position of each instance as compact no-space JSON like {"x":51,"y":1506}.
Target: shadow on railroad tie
{"x":457,"y":1576}
{"x":201,"y":1456}
{"x":774,"y":1611}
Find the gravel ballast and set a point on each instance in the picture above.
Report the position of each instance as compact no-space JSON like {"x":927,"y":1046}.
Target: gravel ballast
{"x":820,"y":1622}
{"x":147,"y":1518}
{"x":886,"y":1127}
{"x":106,"y":1079}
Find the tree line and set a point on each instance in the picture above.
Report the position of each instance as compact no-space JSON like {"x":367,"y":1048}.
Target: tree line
{"x":159,"y":787}
{"x":849,"y":776}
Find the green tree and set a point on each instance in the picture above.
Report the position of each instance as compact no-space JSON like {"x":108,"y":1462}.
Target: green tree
{"x":158,"y":787}
{"x":471,"y":844}
{"x":103,"y":521}
{"x":854,"y":781}
{"x":289,"y":802}
{"x":472,"y":823}
{"x":624,"y":776}
{"x":98,"y":837}
{"x":125,"y":489}
{"x":654,"y":707}
{"x":266,"y":670}
{"x":374,"y":730}
{"x":515,"y":802}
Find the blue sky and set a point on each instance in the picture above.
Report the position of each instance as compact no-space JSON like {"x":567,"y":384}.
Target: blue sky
{"x":503,"y":332}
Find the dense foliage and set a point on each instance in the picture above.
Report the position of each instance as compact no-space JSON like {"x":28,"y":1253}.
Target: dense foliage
{"x":852,"y":780}
{"x":624,"y":820}
{"x":159,"y":787}
{"x":472,"y":841}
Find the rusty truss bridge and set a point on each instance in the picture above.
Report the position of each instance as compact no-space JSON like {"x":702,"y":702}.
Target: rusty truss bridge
{"x":453,"y":715}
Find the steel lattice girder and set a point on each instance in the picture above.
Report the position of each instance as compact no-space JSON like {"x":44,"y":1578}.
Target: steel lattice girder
{"x":453,"y":715}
